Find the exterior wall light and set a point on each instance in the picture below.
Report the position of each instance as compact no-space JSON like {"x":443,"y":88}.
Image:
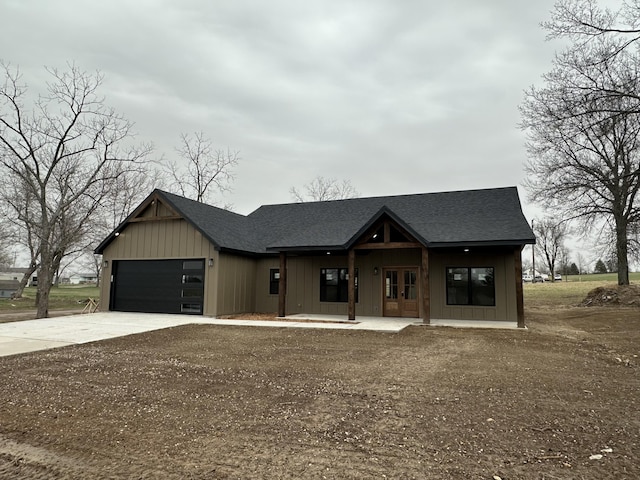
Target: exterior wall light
{"x":105,"y":263}
{"x":211,"y":262}
{"x":375,"y":270}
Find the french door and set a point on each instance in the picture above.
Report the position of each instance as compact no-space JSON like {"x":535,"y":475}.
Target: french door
{"x":400,"y":292}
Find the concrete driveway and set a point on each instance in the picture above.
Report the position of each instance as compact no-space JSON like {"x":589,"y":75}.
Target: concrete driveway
{"x":32,"y":335}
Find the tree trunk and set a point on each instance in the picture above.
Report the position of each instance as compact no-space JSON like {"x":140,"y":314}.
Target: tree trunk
{"x":97,"y":265}
{"x":622,"y":251}
{"x":45,"y":278}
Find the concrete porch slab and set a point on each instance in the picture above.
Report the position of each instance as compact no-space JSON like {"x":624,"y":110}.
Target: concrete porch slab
{"x":335,"y":322}
{"x":475,"y":324}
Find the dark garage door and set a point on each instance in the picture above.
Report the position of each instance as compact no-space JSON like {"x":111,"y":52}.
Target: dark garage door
{"x":158,"y":286}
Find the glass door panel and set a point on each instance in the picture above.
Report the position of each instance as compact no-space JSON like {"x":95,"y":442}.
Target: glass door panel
{"x":391,"y":284}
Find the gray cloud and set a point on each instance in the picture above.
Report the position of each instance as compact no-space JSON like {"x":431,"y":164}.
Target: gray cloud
{"x":398,"y":97}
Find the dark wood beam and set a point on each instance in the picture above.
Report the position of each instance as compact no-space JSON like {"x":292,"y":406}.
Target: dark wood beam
{"x":424,"y":282}
{"x":517,"y":258}
{"x":282,"y":286}
{"x":382,"y":246}
{"x":387,"y":232}
{"x":352,"y":285}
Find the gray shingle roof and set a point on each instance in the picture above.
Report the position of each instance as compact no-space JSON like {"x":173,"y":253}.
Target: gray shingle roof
{"x":471,"y":217}
{"x":462,"y":218}
{"x":223,"y":228}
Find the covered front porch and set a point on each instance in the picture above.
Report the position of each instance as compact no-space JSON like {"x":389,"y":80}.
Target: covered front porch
{"x":384,"y":258}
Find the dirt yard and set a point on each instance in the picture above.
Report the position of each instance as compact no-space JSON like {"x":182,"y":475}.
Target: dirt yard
{"x":559,"y":401}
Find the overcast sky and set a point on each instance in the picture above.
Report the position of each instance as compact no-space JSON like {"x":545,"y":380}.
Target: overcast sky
{"x":395,"y":96}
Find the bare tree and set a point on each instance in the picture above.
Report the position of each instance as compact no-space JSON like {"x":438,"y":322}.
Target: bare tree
{"x":584,"y":148}
{"x":6,"y":233}
{"x":599,"y":35}
{"x":66,"y":149}
{"x":321,"y":189}
{"x":585,"y":22}
{"x":20,"y":212}
{"x":564,"y":261}
{"x":583,"y":266}
{"x":131,"y":188}
{"x":550,"y":236}
{"x":5,"y":238}
{"x":634,"y":241}
{"x":207,"y":170}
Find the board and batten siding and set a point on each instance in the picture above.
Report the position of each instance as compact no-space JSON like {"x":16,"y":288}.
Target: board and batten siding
{"x":237,"y":285}
{"x":505,"y":287}
{"x":162,"y":239}
{"x":264,"y":301}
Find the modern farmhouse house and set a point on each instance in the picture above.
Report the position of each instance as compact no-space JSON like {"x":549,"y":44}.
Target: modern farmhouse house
{"x":445,"y":256}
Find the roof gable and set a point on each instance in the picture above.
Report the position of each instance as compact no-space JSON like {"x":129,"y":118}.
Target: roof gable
{"x":224,"y":229}
{"x":385,"y":229}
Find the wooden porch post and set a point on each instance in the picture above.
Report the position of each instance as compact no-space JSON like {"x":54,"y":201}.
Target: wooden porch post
{"x":517,"y":257}
{"x":282,"y":286}
{"x":424,"y":280}
{"x":352,"y":285}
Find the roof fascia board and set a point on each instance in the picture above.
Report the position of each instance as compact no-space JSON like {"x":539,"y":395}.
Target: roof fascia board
{"x":302,"y":248}
{"x":488,"y":243}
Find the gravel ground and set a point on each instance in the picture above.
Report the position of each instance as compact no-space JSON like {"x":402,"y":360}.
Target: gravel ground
{"x":559,"y":401}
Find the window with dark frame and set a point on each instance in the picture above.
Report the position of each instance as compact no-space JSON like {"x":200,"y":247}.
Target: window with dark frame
{"x":192,"y":289}
{"x":274,"y":281}
{"x":471,"y":286}
{"x":193,"y":264}
{"x":334,"y":284}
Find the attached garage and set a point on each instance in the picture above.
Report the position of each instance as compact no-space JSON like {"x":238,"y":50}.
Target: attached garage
{"x":158,"y":286}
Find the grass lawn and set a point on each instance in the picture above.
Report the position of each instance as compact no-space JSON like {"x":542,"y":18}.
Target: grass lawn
{"x":570,"y":291}
{"x":634,"y":277}
{"x":67,"y":297}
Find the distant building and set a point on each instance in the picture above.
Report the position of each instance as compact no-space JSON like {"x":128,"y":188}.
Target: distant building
{"x":8,"y":288}
{"x":82,"y":278}
{"x":12,"y":273}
